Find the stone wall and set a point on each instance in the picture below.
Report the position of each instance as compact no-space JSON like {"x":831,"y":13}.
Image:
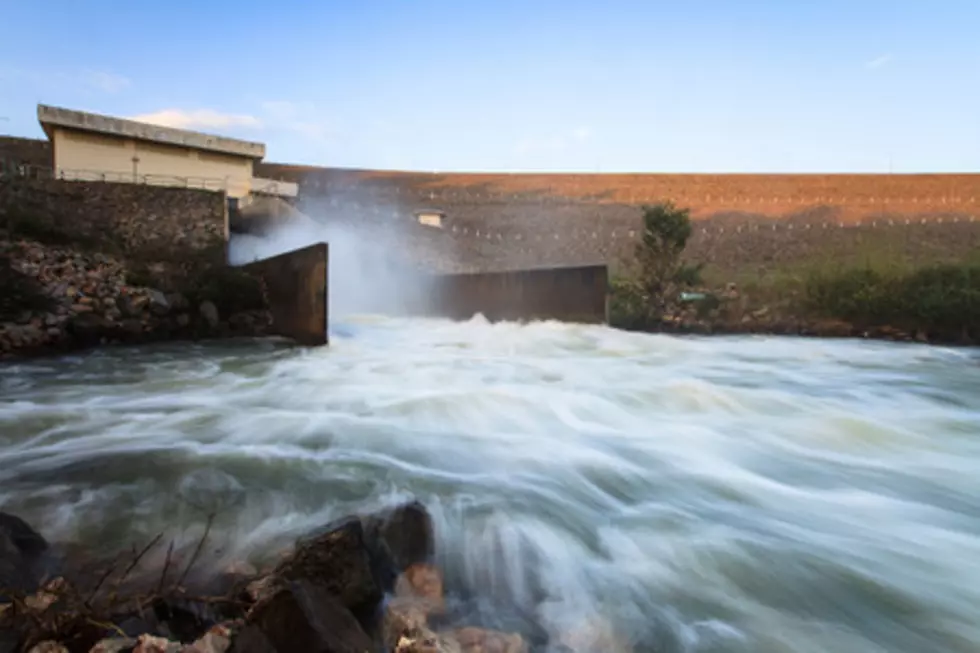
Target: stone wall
{"x":97,"y":263}
{"x":24,"y":151}
{"x":130,"y":219}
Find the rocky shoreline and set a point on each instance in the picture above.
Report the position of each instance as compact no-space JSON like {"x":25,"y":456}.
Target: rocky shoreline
{"x":362,"y":583}
{"x":60,"y":300}
{"x":738,"y":315}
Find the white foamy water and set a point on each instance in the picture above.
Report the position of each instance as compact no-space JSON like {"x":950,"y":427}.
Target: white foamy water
{"x":726,"y":494}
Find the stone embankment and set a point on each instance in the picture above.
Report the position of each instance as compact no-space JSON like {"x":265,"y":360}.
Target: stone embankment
{"x":60,"y":299}
{"x":363,"y":583}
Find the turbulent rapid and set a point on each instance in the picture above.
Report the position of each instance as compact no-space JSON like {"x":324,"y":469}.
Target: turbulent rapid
{"x":677,"y":494}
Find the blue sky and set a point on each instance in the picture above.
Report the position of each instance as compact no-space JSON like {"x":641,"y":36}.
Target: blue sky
{"x":561,"y":85}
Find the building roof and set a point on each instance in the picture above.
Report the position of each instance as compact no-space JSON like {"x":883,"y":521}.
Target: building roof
{"x":50,"y":117}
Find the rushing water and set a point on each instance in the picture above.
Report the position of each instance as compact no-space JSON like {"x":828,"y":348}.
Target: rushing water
{"x":727,"y":494}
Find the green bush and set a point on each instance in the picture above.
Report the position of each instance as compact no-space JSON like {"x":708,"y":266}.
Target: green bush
{"x":689,"y":274}
{"x":942,"y":298}
{"x":628,"y":307}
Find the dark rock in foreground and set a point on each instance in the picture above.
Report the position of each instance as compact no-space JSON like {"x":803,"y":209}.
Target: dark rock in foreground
{"x":343,"y":562}
{"x":21,"y":552}
{"x":327,"y":596}
{"x":307,"y":616}
{"x":407,"y":533}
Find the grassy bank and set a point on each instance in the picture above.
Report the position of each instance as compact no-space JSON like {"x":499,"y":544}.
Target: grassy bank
{"x":879,"y":287}
{"x":941,"y":300}
{"x":936,"y":301}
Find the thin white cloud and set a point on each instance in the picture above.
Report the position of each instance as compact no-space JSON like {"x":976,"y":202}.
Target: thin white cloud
{"x":106,"y":82}
{"x":878,"y":62}
{"x":198,"y":119}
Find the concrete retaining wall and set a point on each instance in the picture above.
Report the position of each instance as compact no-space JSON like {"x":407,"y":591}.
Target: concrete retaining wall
{"x":296,"y":292}
{"x":569,"y":294}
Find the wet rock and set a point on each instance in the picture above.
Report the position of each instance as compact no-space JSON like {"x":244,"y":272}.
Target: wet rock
{"x":343,"y":562}
{"x":216,"y":640}
{"x":408,"y":533}
{"x":49,"y":647}
{"x":479,"y":640}
{"x":308,"y":617}
{"x":89,"y":328}
{"x":9,"y":640}
{"x":185,"y":620}
{"x":131,"y":327}
{"x":158,"y":302}
{"x":135,"y":625}
{"x":47,"y":596}
{"x":209,"y":312}
{"x":263,"y":588}
{"x":132,"y":305}
{"x":114,"y":645}
{"x":28,"y":541}
{"x":21,"y":551}
{"x":251,"y":639}
{"x":151,"y":644}
{"x":404,"y":619}
{"x":428,"y":642}
{"x":183,"y":320}
{"x":422,"y":582}
{"x":177,"y":301}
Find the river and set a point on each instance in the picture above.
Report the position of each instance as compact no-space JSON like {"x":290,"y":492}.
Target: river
{"x":720,"y":494}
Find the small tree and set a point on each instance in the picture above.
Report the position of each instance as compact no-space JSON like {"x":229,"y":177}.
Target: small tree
{"x":666,"y":230}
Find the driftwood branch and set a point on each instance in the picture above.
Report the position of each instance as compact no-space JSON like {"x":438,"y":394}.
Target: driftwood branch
{"x":166,"y":568}
{"x":197,"y":550}
{"x":108,"y":572}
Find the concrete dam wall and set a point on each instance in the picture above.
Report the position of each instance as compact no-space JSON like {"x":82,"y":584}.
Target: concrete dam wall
{"x":567,"y":294}
{"x":296,"y":288}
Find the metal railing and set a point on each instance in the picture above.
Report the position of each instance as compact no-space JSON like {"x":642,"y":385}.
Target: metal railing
{"x":256,"y":184}
{"x":30,"y":171}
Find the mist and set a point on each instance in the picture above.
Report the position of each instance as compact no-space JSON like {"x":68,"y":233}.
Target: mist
{"x":371,"y":270}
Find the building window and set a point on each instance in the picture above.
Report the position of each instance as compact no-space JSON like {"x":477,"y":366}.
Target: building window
{"x":430,"y":218}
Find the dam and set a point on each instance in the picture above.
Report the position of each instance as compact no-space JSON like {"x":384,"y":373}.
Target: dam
{"x":376,"y":279}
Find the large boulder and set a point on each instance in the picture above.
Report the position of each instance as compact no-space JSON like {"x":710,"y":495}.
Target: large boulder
{"x":407,"y":533}
{"x":209,"y":312}
{"x":22,"y":551}
{"x":306,"y":616}
{"x":343,"y":562}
